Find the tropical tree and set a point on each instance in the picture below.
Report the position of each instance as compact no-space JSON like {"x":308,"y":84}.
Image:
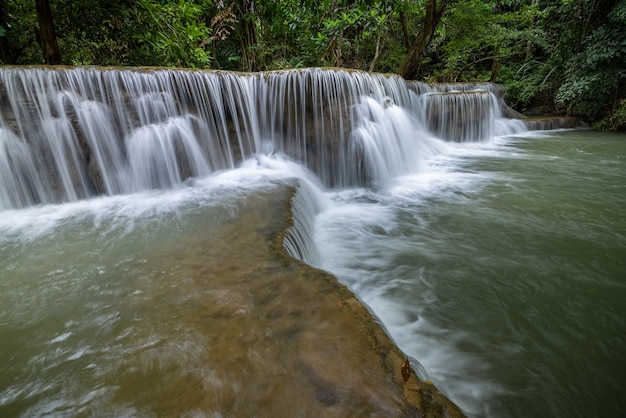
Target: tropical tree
{"x":562,"y":56}
{"x":17,"y":41}
{"x":47,"y":34}
{"x":595,"y":78}
{"x":410,"y":67}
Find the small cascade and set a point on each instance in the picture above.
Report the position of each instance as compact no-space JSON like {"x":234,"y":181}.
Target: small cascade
{"x":550,"y":123}
{"x":72,"y":133}
{"x":391,"y":141}
{"x":162,"y":155}
{"x":311,"y":115}
{"x":298,"y":242}
{"x":16,"y":163}
{"x":460,"y":116}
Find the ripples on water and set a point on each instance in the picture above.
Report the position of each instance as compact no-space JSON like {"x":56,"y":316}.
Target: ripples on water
{"x":501,"y":269}
{"x":100,"y":299}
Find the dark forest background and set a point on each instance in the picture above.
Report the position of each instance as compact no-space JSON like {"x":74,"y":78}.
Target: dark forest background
{"x":563,"y":57}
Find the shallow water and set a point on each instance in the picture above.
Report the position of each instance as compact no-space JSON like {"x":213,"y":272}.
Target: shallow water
{"x":101,"y":299}
{"x":498,"y":265}
{"x":501,"y":268}
{"x":183,"y":303}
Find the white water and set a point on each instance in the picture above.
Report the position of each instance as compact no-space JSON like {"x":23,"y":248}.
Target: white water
{"x":362,"y":147}
{"x":70,"y":134}
{"x":363,"y":240}
{"x":355,"y":233}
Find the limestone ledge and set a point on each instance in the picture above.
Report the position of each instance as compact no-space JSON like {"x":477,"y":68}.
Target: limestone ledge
{"x":340,"y":356}
{"x":281,"y":339}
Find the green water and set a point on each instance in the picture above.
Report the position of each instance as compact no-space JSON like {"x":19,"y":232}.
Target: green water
{"x":508,"y":281}
{"x":502,"y":270}
{"x":90,"y":301}
{"x":180,"y":303}
{"x":540,"y":275}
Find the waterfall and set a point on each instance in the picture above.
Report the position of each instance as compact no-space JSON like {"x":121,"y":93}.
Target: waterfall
{"x":550,"y":123}
{"x":390,"y":186}
{"x":460,"y":116}
{"x":72,"y":133}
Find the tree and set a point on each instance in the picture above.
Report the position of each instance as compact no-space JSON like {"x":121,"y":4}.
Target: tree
{"x":575,"y":62}
{"x":410,"y":68}
{"x":6,"y":50}
{"x":595,"y":78}
{"x":47,"y":35}
{"x":478,"y":37}
{"x":247,"y":33}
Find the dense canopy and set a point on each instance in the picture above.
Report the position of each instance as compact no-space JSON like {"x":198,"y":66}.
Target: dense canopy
{"x":552,"y":56}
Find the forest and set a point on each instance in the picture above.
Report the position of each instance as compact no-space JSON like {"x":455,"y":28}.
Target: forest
{"x":553,"y":57}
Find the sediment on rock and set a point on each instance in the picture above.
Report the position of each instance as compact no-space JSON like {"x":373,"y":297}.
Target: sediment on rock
{"x":365,"y":360}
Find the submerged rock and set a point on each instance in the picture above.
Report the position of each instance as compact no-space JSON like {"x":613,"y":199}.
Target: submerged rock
{"x":281,"y":338}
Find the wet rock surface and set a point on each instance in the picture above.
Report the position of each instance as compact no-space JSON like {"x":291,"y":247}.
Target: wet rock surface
{"x":279,"y":338}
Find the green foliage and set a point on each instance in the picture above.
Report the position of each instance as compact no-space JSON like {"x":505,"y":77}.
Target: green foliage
{"x":596,"y":76}
{"x":616,"y":120}
{"x":618,"y":14}
{"x":566,"y":56}
{"x":143,"y":32}
{"x":171,"y":34}
{"x":22,"y":46}
{"x":319,"y":33}
{"x":476,"y":33}
{"x":524,"y":82}
{"x":465,"y":36}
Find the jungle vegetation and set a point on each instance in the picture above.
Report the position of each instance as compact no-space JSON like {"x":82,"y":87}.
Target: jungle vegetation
{"x":552,"y":56}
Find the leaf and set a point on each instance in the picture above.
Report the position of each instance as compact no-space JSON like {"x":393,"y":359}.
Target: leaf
{"x":405,"y":370}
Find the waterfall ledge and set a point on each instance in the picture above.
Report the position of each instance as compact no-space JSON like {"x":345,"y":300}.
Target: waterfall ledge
{"x":284,"y":338}
{"x":347,"y":349}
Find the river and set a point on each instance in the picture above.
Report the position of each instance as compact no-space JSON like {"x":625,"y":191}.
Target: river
{"x":501,"y":269}
{"x":130,"y":201}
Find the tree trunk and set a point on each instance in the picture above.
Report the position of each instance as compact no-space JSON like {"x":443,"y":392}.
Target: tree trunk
{"x":404,"y":21}
{"x":495,"y":65}
{"x":374,"y":62}
{"x":247,"y":33}
{"x":411,"y":66}
{"x":47,"y":36}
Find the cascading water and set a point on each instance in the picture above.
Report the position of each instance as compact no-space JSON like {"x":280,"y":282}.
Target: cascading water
{"x":460,"y":117}
{"x":367,"y":151}
{"x":74,"y":133}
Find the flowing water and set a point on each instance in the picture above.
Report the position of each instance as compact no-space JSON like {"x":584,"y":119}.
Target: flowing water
{"x":502,"y":269}
{"x":494,"y":257}
{"x":126,"y":306}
